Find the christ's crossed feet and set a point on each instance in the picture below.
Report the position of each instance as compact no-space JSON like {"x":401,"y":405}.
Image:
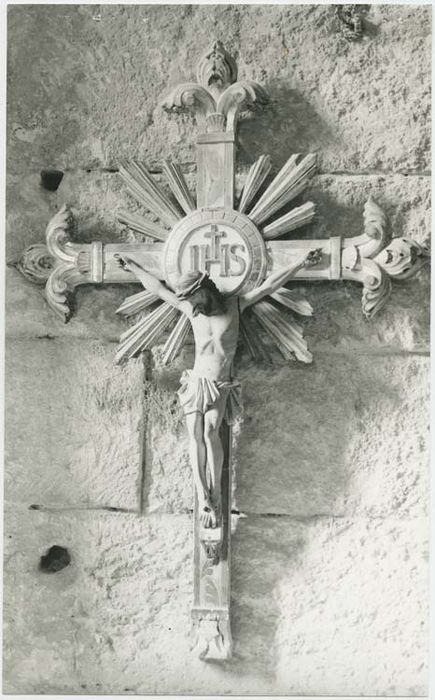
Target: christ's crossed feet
{"x":208,"y":516}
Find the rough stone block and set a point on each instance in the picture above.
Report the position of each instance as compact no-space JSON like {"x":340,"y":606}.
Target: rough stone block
{"x":93,"y":198}
{"x":28,"y":314}
{"x":322,"y":607}
{"x":365,"y":105}
{"x":74,"y":425}
{"x":354,"y":102}
{"x":338,"y":607}
{"x":346,"y":435}
{"x":100,"y":624}
{"x":168,"y":485}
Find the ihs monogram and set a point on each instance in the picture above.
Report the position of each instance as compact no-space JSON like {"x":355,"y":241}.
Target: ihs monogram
{"x":203,"y":256}
{"x":241,"y":244}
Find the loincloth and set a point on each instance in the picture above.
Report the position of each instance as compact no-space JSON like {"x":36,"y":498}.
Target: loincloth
{"x":200,"y":394}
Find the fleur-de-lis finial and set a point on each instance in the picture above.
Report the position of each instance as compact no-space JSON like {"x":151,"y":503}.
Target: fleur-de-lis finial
{"x":217,"y":69}
{"x":217,"y":99}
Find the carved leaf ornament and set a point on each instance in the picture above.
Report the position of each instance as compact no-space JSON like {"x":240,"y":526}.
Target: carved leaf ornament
{"x":217,"y":100}
{"x":239,"y":244}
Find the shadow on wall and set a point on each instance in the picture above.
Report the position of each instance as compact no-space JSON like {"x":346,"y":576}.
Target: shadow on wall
{"x":293,"y":465}
{"x":289,"y":124}
{"x":263,"y":554}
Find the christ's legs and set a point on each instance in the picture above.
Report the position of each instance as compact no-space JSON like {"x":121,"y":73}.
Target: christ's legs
{"x":215,"y":454}
{"x":198,"y":460}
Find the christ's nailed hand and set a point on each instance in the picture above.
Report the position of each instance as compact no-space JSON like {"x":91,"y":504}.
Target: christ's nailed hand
{"x":127,"y":263}
{"x":313,"y":257}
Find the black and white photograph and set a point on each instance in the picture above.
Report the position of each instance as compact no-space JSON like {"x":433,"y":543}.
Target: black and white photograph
{"x":217,"y":349}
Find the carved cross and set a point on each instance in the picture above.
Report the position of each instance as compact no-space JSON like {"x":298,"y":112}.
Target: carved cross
{"x":239,"y":244}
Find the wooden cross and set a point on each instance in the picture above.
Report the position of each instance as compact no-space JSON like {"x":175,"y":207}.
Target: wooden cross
{"x":239,"y":244}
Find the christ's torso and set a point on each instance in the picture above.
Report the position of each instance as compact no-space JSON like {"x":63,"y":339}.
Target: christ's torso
{"x":216,"y":341}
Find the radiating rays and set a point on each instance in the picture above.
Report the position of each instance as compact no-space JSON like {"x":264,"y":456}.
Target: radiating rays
{"x":253,"y":342}
{"x":291,"y":180}
{"x":146,"y":332}
{"x":300,"y":216}
{"x":145,"y":226}
{"x":176,"y":339}
{"x":136,"y":303}
{"x":286,"y":333}
{"x":255,"y":178}
{"x":286,"y":298}
{"x":147,"y":192}
{"x":279,"y":327}
{"x":178,"y":186}
{"x":151,"y":196}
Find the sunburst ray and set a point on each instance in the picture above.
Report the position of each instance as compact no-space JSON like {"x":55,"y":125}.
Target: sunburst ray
{"x":253,"y":342}
{"x":136,"y":302}
{"x":176,"y":339}
{"x":139,"y":223}
{"x":179,"y":186}
{"x":142,"y":186}
{"x":300,"y":216}
{"x":286,"y":298}
{"x":291,"y":180}
{"x":146,"y":332}
{"x":286,"y":333}
{"x":255,"y":178}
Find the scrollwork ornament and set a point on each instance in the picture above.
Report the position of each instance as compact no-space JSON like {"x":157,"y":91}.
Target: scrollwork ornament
{"x":242,"y":96}
{"x":376,"y":288}
{"x":57,"y":236}
{"x":376,"y":228}
{"x":57,"y":291}
{"x":190,"y":97}
{"x":36,"y":263}
{"x":71,"y":263}
{"x":403,"y":258}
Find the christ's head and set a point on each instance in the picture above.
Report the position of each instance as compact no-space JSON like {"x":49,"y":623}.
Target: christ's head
{"x":201,"y":292}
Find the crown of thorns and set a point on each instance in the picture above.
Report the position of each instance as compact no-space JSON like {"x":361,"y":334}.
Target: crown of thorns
{"x":188,"y":284}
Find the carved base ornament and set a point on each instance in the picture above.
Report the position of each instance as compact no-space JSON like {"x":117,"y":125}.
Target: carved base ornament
{"x":207,"y":260}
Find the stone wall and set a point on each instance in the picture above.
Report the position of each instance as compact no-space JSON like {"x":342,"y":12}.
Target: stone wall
{"x":329,"y":572}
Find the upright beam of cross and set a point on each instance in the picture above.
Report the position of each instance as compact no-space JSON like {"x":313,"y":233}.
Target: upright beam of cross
{"x":236,"y":243}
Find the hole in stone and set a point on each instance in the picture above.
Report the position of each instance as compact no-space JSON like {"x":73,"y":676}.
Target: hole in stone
{"x":51,"y":179}
{"x":34,"y":506}
{"x":55,"y":559}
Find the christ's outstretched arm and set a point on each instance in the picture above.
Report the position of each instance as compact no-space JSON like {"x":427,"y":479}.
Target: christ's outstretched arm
{"x":277,"y":279}
{"x":151,"y":283}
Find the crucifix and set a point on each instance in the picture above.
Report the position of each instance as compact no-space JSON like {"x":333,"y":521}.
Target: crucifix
{"x":217,"y":265}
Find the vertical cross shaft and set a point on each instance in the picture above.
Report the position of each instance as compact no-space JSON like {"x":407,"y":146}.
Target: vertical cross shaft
{"x":215,"y":173}
{"x":216,"y":100}
{"x":212,"y":548}
{"x":211,"y":611}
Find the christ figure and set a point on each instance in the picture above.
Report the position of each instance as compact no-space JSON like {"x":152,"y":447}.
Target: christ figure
{"x":209,"y":391}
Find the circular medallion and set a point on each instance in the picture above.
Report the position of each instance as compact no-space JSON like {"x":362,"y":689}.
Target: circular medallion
{"x":219,"y":241}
